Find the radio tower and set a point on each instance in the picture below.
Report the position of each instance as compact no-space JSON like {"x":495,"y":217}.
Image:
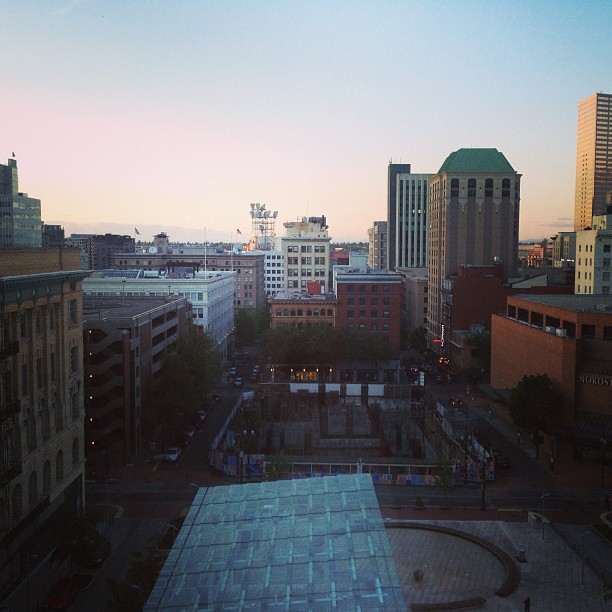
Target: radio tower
{"x":263,"y":223}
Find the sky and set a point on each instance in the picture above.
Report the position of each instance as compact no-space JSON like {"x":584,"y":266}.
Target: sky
{"x":176,"y":115}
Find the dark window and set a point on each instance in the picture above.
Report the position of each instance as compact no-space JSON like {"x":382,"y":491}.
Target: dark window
{"x":471,"y":188}
{"x":454,"y":188}
{"x":505,"y":188}
{"x":488,"y":188}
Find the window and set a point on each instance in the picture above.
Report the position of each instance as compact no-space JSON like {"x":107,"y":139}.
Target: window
{"x":362,"y":327}
{"x":505,"y":188}
{"x":471,"y":188}
{"x":606,"y":262}
{"x":350,"y":301}
{"x":350,"y":314}
{"x":488,"y":188}
{"x":374,"y":314}
{"x":72,"y":312}
{"x":454,"y":188}
{"x":362,"y":301}
{"x":386,"y":314}
{"x":74,"y":359}
{"x":606,"y":248}
{"x":362,"y":314}
{"x":374,"y":327}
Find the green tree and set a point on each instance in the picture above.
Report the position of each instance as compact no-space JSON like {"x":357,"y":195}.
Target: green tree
{"x":417,"y":340}
{"x":279,"y":467}
{"x":249,"y":324}
{"x":142,"y":574}
{"x":445,"y":476}
{"x":186,"y":378}
{"x":78,"y":542}
{"x":533,"y":404}
{"x":480,"y":350}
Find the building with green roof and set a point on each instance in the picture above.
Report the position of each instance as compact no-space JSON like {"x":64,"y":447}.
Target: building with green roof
{"x":474,"y":203}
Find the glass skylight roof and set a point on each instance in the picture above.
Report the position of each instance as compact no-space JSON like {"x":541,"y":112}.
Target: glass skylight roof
{"x":313,"y":544}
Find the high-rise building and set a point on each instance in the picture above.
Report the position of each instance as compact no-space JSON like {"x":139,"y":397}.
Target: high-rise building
{"x":392,"y":173}
{"x":306,"y":254}
{"x":593,"y":159}
{"x":20,"y":222}
{"x":52,"y":236}
{"x":377,"y":245}
{"x":474,"y":205}
{"x":411,"y":231}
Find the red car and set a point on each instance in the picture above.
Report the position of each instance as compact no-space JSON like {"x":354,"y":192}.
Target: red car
{"x":62,"y":594}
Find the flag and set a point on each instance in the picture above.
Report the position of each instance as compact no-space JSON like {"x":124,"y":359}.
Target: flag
{"x":239,"y":232}
{"x":136,"y":230}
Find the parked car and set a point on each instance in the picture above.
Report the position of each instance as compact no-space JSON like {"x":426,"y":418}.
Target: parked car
{"x":216,"y":397}
{"x":190,"y":431}
{"x":238,"y":382}
{"x":100,"y":554}
{"x":173,"y":454}
{"x":62,"y":594}
{"x":233,"y":371}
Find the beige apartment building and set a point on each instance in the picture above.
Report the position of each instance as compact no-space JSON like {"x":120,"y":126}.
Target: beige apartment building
{"x":593,"y":257}
{"x":305,"y":250}
{"x":41,"y":402}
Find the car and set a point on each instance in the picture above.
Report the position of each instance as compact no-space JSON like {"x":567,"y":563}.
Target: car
{"x":455,"y":401}
{"x":190,"y":431}
{"x":238,"y":382}
{"x":173,"y":454}
{"x":256,"y":369}
{"x":254,"y":377}
{"x":62,"y":594}
{"x":233,"y":371}
{"x":100,"y":554}
{"x":216,"y":397}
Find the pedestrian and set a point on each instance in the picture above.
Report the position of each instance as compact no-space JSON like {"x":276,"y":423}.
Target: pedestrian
{"x":527,"y":603}
{"x":552,"y":464}
{"x":518,"y":437}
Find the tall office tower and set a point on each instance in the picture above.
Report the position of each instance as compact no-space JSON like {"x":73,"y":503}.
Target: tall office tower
{"x":20,"y":222}
{"x":593,"y":159}
{"x":474,"y":205}
{"x":392,"y":172}
{"x":411,"y":231}
{"x":377,"y":246}
{"x":306,"y":255}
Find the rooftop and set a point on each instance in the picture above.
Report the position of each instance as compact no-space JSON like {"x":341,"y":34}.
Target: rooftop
{"x":476,"y":160}
{"x":318,"y":543}
{"x":576,"y":303}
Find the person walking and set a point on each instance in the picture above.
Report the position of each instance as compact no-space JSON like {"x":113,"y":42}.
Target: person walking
{"x":527,"y":603}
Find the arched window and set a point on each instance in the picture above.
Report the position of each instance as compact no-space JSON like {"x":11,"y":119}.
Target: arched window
{"x":3,"y":515}
{"x":47,"y":477}
{"x":17,"y":502}
{"x":59,"y":466}
{"x":454,"y":188}
{"x":471,"y":188}
{"x":75,"y":452}
{"x":489,"y":188}
{"x":505,"y":188}
{"x":32,"y":490}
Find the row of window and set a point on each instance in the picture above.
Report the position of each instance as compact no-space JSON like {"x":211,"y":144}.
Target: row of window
{"x":363,"y":301}
{"x":363,"y":288}
{"x":300,"y":312}
{"x":373,"y":328}
{"x":306,"y":248}
{"x":350,"y":314}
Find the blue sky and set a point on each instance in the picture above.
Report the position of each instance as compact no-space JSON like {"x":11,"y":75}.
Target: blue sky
{"x":174,"y":116}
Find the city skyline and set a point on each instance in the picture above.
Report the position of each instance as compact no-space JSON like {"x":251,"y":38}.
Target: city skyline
{"x":175,"y":120}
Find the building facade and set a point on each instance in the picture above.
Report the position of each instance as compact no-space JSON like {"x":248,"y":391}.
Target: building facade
{"x":411,"y":220}
{"x":302,"y":310}
{"x":125,"y":343}
{"x":569,"y":339}
{"x":564,"y":250}
{"x":593,"y":159}
{"x":474,"y":203}
{"x":306,"y":254}
{"x":370,"y":303}
{"x":41,"y":402}
{"x":101,"y":249}
{"x":593,"y":257}
{"x":414,"y":302}
{"x":52,"y":236}
{"x":393,"y":171}
{"x":377,"y":246}
{"x":210,"y":294}
{"x":20,"y":220}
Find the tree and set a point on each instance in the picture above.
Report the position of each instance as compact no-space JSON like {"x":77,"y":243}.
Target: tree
{"x":279,"y":467}
{"x":186,"y":378}
{"x":533,"y":405}
{"x":417,"y":340}
{"x":445,"y":476}
{"x":249,"y":324}
{"x":142,"y":574}
{"x":480,"y":348}
{"x":78,"y":542}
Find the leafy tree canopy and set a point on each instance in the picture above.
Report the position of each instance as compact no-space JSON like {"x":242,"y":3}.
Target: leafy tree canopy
{"x":534,"y":402}
{"x":417,"y":340}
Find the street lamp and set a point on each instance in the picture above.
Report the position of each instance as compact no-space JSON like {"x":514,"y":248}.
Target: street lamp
{"x":583,"y":553}
{"x":483,"y":504}
{"x":544,"y":496}
{"x":604,"y":442}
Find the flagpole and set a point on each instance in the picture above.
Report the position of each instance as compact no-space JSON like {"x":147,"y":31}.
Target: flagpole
{"x":205,"y":252}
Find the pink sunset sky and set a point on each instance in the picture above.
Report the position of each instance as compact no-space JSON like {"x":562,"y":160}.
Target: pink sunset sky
{"x":175,"y":116}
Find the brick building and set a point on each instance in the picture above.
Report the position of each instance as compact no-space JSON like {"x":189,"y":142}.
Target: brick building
{"x":569,"y":338}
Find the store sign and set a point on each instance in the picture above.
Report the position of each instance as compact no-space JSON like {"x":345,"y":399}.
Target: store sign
{"x":599,"y":381}
{"x":442,"y":336}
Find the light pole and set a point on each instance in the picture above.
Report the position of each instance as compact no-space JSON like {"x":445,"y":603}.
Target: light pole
{"x":483,"y":504}
{"x":604,"y":442}
{"x":465,"y":458}
{"x":544,"y":496}
{"x":583,"y":553}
